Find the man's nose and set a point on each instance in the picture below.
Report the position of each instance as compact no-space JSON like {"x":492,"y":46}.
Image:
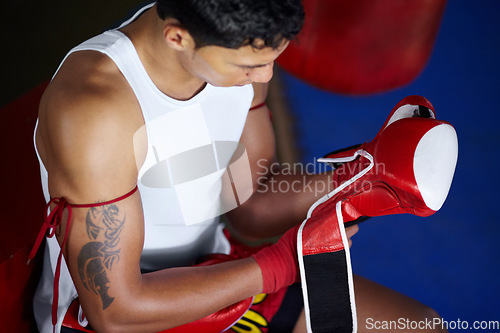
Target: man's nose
{"x":261,"y":74}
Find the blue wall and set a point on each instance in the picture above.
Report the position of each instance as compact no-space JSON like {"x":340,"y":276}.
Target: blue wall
{"x":449,"y":261}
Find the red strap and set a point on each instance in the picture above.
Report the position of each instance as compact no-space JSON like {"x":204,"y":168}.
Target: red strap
{"x":260,"y":105}
{"x":257,"y":106}
{"x":51,"y":222}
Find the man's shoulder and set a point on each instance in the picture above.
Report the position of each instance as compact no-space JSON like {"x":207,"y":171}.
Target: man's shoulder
{"x":88,"y":114}
{"x":87,"y":77}
{"x":88,"y":89}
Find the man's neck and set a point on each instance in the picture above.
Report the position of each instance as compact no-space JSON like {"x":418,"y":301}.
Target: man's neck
{"x":161,"y":62}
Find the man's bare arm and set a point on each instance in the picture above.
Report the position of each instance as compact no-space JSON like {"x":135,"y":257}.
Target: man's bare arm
{"x":103,"y":254}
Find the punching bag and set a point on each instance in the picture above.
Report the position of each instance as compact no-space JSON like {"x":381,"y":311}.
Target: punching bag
{"x":364,"y":46}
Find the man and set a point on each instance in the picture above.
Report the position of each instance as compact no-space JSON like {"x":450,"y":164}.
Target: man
{"x":137,"y":107}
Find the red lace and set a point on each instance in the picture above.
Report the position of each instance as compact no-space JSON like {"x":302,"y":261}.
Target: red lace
{"x":51,"y":222}
{"x":257,"y":106}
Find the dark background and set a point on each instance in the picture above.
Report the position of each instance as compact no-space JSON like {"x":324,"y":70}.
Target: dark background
{"x":36,"y":35}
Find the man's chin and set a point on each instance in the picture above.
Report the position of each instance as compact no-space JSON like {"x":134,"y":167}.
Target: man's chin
{"x":229,"y":84}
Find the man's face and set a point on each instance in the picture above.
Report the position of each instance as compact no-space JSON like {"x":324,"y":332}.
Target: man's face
{"x":226,"y":67}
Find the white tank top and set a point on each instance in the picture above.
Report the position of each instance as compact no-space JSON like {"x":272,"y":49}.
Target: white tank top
{"x":190,"y":144}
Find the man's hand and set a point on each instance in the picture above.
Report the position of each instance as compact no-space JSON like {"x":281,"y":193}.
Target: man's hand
{"x":351,"y":231}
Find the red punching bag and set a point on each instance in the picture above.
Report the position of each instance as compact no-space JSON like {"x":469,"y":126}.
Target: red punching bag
{"x":363,"y":46}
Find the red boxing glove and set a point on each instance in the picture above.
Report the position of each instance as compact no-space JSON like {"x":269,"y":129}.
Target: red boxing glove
{"x":407,"y":168}
{"x":278,"y":263}
{"x":217,"y":322}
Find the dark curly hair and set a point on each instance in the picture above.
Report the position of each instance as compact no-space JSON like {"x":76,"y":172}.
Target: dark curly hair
{"x":235,"y":23}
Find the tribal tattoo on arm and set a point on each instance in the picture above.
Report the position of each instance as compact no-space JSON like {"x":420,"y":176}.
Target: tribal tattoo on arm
{"x":97,"y":257}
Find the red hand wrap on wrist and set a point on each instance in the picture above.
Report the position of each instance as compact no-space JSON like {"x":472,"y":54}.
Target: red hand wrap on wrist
{"x":278,"y":263}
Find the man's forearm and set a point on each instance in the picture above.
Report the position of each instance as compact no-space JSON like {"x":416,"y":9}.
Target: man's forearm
{"x":176,"y":296}
{"x":280,"y":201}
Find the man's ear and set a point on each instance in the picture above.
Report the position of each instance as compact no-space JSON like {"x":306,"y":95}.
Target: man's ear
{"x":177,"y":37}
